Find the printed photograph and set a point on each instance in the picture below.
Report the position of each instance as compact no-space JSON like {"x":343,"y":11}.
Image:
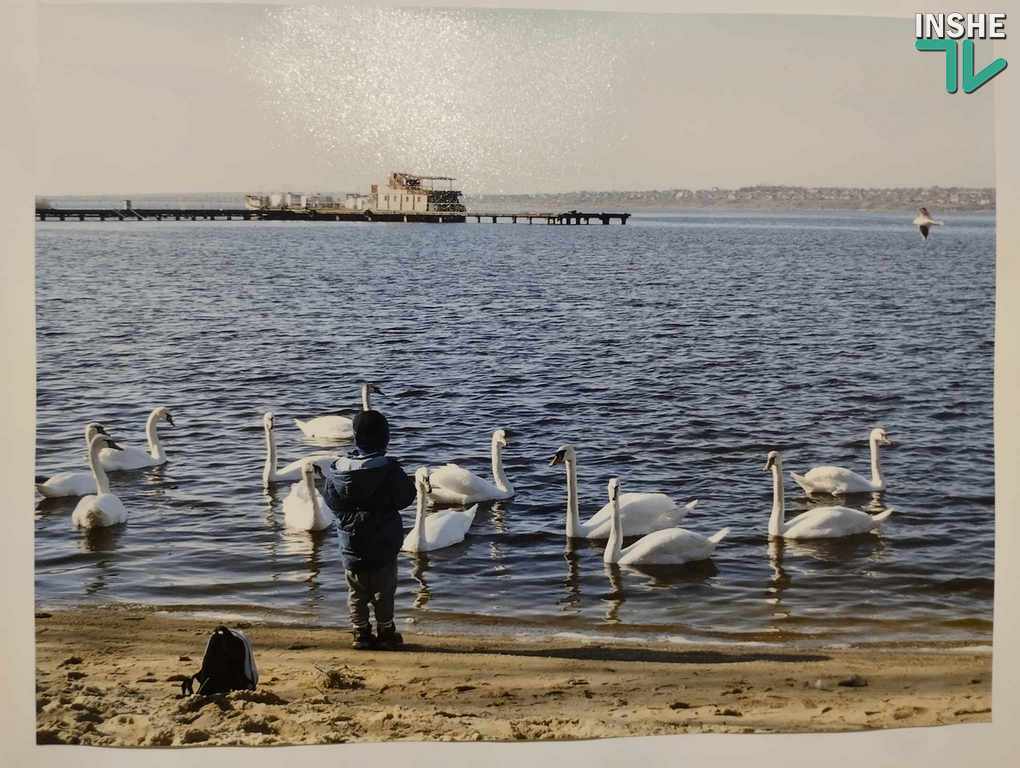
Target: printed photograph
{"x":503,"y":375}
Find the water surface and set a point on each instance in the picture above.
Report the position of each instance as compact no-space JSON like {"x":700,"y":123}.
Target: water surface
{"x":674,"y":352}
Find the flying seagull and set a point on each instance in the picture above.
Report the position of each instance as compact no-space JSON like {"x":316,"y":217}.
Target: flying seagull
{"x":925,"y":222}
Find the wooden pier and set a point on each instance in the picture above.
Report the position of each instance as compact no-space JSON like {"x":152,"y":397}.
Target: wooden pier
{"x":266,"y":214}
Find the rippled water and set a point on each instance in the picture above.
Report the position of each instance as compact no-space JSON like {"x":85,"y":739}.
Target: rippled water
{"x":673,"y":352}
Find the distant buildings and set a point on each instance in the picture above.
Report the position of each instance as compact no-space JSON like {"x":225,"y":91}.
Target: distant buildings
{"x":401,"y":192}
{"x":760,"y":196}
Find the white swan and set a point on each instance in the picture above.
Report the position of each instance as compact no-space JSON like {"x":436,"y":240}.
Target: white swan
{"x":104,"y":508}
{"x":304,"y":509}
{"x":817,"y":523}
{"x":71,"y":483}
{"x":641,"y":513}
{"x":135,"y":458}
{"x":924,"y":222}
{"x":440,"y":529}
{"x":455,"y":485}
{"x":291,"y":472}
{"x":337,"y":427}
{"x":670,"y":546}
{"x":837,"y":481}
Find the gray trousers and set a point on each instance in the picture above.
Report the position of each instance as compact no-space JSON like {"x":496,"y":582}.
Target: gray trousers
{"x":376,"y":587}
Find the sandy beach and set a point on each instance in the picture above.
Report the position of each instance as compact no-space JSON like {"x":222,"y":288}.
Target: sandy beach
{"x":111,"y":677}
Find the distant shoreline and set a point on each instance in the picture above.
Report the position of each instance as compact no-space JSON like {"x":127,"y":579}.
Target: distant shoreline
{"x":757,"y":198}
{"x":809,"y":207}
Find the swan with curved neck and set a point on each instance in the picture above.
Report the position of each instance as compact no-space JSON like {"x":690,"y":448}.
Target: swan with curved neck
{"x":440,"y":529}
{"x":452,"y":484}
{"x":304,"y":509}
{"x":104,"y":508}
{"x":837,"y":481}
{"x":669,"y":546}
{"x":291,"y":472}
{"x":817,"y":523}
{"x":65,"y":484}
{"x":136,"y":458}
{"x":336,"y":427}
{"x":641,"y":513}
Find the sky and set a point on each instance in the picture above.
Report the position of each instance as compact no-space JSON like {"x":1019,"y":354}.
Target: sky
{"x":212,"y":98}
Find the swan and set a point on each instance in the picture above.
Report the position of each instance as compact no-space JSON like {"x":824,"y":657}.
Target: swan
{"x":837,"y":481}
{"x":451,"y":484}
{"x":440,"y":529}
{"x":817,"y":523}
{"x":337,"y":427}
{"x":669,"y":546}
{"x":924,"y":222}
{"x":291,"y":472}
{"x":104,"y":508}
{"x":135,"y":458}
{"x":71,"y":483}
{"x":304,"y":508}
{"x":641,"y":513}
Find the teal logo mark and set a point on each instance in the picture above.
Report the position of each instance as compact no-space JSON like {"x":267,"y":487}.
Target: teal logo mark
{"x":971,"y":80}
{"x":940,"y":32}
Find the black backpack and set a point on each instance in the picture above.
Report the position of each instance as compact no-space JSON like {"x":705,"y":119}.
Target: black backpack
{"x":228,"y":665}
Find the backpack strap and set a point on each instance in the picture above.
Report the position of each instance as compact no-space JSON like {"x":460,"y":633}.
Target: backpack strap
{"x":186,"y":689}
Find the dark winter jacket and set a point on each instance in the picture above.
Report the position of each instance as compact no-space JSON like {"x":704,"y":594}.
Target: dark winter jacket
{"x":366,"y":491}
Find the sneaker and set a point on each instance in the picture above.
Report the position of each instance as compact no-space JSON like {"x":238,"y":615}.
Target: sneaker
{"x":364,"y":640}
{"x":389,"y":638}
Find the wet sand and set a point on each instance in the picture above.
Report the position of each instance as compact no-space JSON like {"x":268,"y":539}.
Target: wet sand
{"x":111,"y":677}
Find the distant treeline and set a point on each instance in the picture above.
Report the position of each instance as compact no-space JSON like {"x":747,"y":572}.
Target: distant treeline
{"x":761,"y":196}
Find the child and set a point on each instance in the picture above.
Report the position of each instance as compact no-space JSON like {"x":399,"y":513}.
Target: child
{"x":366,"y":490}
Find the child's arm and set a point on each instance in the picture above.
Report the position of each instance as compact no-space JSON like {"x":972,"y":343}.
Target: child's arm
{"x":335,"y":492}
{"x":404,"y":491}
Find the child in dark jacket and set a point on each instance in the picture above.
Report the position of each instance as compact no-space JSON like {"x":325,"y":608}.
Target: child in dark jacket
{"x":366,"y":490}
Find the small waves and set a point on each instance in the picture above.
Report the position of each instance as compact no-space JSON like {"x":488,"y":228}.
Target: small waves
{"x":674,"y":357}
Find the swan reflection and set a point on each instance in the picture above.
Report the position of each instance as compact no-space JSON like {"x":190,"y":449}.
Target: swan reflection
{"x":103,"y":539}
{"x":308,"y":546}
{"x":780,"y":578}
{"x":616,"y":596}
{"x":419,"y":567}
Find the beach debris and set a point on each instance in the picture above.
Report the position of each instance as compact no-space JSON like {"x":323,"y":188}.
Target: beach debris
{"x":183,"y":658}
{"x":298,"y":647}
{"x":189,"y":704}
{"x":854,"y":681}
{"x":728,"y":712}
{"x":343,"y":678}
{"x":71,"y":660}
{"x":162,"y":738}
{"x":984,"y":711}
{"x":194,"y":736}
{"x":260,"y":697}
{"x":679,"y":705}
{"x":42,"y":615}
{"x":463,"y":688}
{"x":902,"y":713}
{"x":410,"y":620}
{"x":73,"y":674}
{"x":257,"y":724}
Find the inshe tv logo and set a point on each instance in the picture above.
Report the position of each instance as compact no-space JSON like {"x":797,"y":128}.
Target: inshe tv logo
{"x":940,"y":32}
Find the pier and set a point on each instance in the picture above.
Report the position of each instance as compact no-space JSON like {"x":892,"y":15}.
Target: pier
{"x":130,"y":214}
